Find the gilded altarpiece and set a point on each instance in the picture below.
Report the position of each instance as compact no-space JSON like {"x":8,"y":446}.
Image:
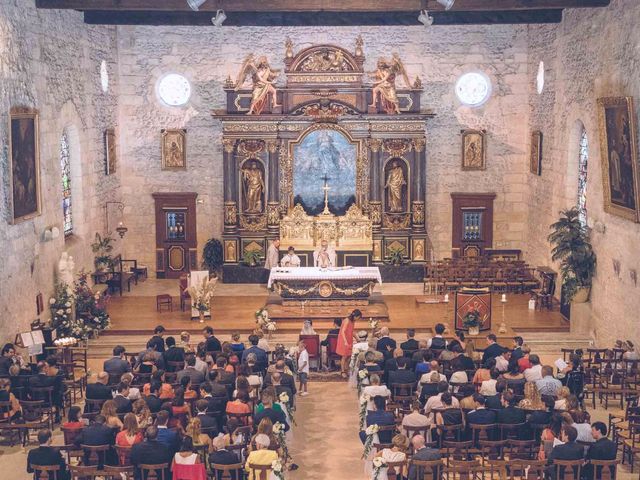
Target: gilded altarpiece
{"x":325,"y":150}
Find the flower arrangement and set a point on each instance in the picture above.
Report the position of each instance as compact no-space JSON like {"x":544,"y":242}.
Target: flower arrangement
{"x":364,"y":401}
{"x":78,"y":312}
{"x":373,"y":324}
{"x":284,"y":400}
{"x":370,"y":432}
{"x":278,"y":431}
{"x":278,"y":469}
{"x":473,"y":318}
{"x":378,"y":465}
{"x":363,"y":374}
{"x":263,"y":322}
{"x":202,"y":294}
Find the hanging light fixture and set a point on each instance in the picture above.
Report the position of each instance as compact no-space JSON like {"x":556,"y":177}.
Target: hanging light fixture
{"x":425,"y":19}
{"x":121,"y":229}
{"x":447,"y":4}
{"x":219,"y":19}
{"x":195,"y":4}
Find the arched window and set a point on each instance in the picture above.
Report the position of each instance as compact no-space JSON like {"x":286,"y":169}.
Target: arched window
{"x":65,"y":167}
{"x":583,"y":158}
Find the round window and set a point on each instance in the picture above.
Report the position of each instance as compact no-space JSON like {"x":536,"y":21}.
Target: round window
{"x":174,"y":90}
{"x":473,"y":89}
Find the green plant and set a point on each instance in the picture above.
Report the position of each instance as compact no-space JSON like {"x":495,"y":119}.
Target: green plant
{"x":396,"y":256}
{"x":574,"y":252}
{"x":212,"y":255}
{"x":252,"y":257}
{"x":472,"y":319}
{"x":102,"y":247}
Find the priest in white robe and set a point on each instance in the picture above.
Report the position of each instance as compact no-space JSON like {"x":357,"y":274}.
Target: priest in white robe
{"x":273,"y":255}
{"x":325,"y":256}
{"x":290,"y":259}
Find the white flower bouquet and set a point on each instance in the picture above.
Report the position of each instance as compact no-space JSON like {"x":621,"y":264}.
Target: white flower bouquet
{"x":364,"y":401}
{"x":370,"y":432}
{"x":378,"y":464}
{"x":263,"y":322}
{"x":284,"y":400}
{"x":278,"y":431}
{"x":278,"y":469}
{"x":202,"y":294}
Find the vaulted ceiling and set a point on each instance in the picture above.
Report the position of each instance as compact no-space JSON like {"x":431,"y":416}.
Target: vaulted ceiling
{"x":319,"y":12}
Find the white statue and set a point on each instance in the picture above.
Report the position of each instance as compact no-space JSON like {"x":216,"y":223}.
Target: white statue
{"x":66,"y":267}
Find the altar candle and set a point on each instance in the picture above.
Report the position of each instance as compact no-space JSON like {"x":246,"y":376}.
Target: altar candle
{"x":504,"y":298}
{"x":446,"y":298}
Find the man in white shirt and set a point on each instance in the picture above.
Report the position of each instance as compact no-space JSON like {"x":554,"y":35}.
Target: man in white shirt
{"x":433,"y":367}
{"x":534,"y":373}
{"x":324,"y":257}
{"x":273,"y":253}
{"x":438,"y":342}
{"x":436,"y":400}
{"x":290,"y":259}
{"x":303,"y":368}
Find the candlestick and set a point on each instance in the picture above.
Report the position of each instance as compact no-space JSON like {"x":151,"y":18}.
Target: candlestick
{"x":446,"y":298}
{"x":503,"y":299}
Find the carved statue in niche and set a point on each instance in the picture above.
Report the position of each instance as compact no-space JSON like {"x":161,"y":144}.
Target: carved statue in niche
{"x":395,"y":187}
{"x":263,"y":78}
{"x":384,"y":86}
{"x":253,"y":184}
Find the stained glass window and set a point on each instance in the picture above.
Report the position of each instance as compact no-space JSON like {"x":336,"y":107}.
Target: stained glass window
{"x":582,"y":176}
{"x":472,"y":226}
{"x":65,"y":167}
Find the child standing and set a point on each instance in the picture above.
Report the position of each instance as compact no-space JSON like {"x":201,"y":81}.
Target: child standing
{"x":303,"y":368}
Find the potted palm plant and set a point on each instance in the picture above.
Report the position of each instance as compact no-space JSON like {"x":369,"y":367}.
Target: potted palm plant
{"x":102,"y":247}
{"x":252,"y":257}
{"x":572,"y":248}
{"x":212,"y":256}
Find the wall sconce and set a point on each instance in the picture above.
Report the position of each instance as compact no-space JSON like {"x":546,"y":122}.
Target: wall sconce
{"x":121,"y":229}
{"x":634,"y":277}
{"x":50,"y":233}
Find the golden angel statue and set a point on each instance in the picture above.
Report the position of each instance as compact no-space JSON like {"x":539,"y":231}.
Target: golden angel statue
{"x":394,"y":184}
{"x":253,"y":188}
{"x":263,"y":78}
{"x":384,"y":86}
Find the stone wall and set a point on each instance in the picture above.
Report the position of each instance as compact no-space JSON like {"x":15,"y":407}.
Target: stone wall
{"x":591,"y":54}
{"x":437,"y":55}
{"x":50,"y":60}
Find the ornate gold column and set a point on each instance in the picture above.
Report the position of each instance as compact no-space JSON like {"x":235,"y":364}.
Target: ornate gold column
{"x":375,"y":204}
{"x":230,"y":187}
{"x":417,"y":203}
{"x":273,"y":202}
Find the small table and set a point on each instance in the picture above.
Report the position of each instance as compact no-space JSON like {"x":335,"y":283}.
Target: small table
{"x":164,"y":300}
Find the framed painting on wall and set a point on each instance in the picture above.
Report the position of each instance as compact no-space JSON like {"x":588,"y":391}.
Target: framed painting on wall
{"x":24,"y":164}
{"x":535,"y":158}
{"x":473,"y":150}
{"x":619,"y":157}
{"x":174,"y":152}
{"x":110,"y":151}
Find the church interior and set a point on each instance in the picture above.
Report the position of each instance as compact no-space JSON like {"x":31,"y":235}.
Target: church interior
{"x":352,"y":190}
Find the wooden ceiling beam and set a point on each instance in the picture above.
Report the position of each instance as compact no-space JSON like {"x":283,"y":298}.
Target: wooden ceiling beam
{"x":309,"y":19}
{"x":318,"y":5}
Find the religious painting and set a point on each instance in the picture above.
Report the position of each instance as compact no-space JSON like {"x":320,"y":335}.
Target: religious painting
{"x":473,"y":150}
{"x":253,"y":187}
{"x":230,"y":251}
{"x":174,"y":149}
{"x":418,"y":249}
{"x":24,"y":158}
{"x":535,"y":155}
{"x":396,"y":175}
{"x":110,"y":151}
{"x":619,"y":157}
{"x":324,"y":158}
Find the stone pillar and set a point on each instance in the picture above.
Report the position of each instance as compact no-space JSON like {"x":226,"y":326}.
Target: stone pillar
{"x":375,"y":204}
{"x":230,"y":198}
{"x":273,"y":202}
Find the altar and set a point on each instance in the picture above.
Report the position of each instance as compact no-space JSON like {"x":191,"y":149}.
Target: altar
{"x":335,"y":286}
{"x":324,"y":151}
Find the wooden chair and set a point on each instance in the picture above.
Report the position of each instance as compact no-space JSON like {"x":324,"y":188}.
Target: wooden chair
{"x":428,"y":469}
{"x":482,"y":432}
{"x":34,"y":418}
{"x":111,"y":472}
{"x":522,"y":449}
{"x":567,"y":469}
{"x":259,"y":472}
{"x":517,"y":469}
{"x":124,"y":455}
{"x":95,"y":453}
{"x":604,"y":469}
{"x":227,"y":472}
{"x":463,"y":469}
{"x":154,"y":472}
{"x":79,"y":472}
{"x":396,"y":470}
{"x":511,"y":430}
{"x":174,"y":366}
{"x":402,"y":393}
{"x":46,"y":472}
{"x":452,"y":433}
{"x":332,"y":356}
{"x":45,"y":394}
{"x":164,"y":300}
{"x":93,"y":405}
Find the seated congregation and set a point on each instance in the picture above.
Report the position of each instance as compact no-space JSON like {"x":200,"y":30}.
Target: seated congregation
{"x":218,"y":410}
{"x":444,"y":409}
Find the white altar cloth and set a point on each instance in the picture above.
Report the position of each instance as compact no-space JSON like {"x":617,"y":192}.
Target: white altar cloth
{"x":315,"y":273}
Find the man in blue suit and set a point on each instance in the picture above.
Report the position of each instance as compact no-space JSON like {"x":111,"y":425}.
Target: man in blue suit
{"x":166,"y":436}
{"x":381,"y":418}
{"x":261,"y":356}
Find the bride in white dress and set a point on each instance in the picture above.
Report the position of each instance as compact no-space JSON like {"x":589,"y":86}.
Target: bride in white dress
{"x":392,"y":455}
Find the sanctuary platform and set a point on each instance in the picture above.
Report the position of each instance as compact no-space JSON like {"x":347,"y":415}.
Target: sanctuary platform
{"x":233,"y":311}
